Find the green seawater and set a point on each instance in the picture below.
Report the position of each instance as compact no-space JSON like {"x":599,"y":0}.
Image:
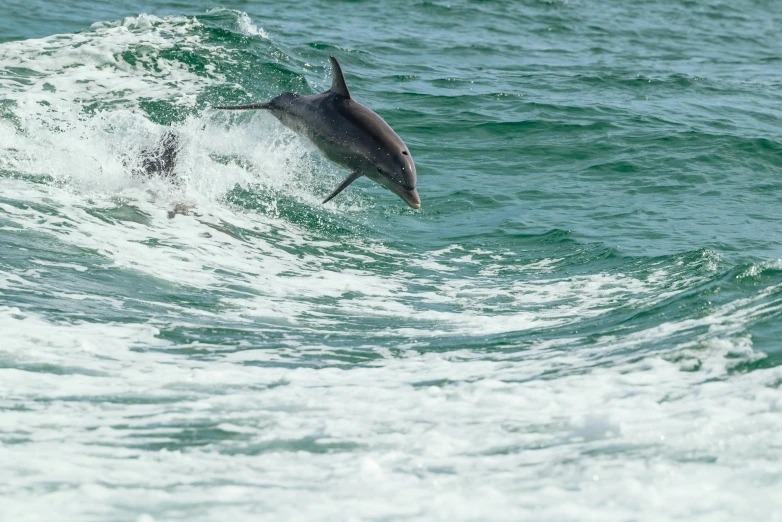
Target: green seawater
{"x":582,"y":322}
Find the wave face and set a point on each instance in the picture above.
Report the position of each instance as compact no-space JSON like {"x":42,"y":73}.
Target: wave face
{"x":581,"y":323}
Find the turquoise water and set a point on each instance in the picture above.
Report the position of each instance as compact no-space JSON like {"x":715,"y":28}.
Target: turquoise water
{"x":582,"y":322}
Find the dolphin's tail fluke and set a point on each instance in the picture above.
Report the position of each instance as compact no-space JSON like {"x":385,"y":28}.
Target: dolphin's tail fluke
{"x":265,"y":105}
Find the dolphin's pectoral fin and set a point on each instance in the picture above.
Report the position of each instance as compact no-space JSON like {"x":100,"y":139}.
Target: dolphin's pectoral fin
{"x":264,"y":105}
{"x":350,"y":179}
{"x":338,"y":85}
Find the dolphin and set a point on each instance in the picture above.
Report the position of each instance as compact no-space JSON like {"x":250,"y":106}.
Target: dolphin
{"x":157,"y":161}
{"x":161,"y":161}
{"x":348,"y":134}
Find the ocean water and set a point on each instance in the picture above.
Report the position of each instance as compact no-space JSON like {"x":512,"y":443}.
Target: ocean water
{"x":581,"y":323}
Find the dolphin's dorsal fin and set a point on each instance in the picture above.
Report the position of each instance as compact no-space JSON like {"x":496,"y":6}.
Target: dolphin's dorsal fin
{"x":338,"y":85}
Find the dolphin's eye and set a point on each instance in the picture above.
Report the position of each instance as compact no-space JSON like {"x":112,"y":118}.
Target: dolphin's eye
{"x":404,"y":152}
{"x":380,"y":171}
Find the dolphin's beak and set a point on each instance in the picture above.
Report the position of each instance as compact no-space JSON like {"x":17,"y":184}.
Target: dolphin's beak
{"x":411,"y":197}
